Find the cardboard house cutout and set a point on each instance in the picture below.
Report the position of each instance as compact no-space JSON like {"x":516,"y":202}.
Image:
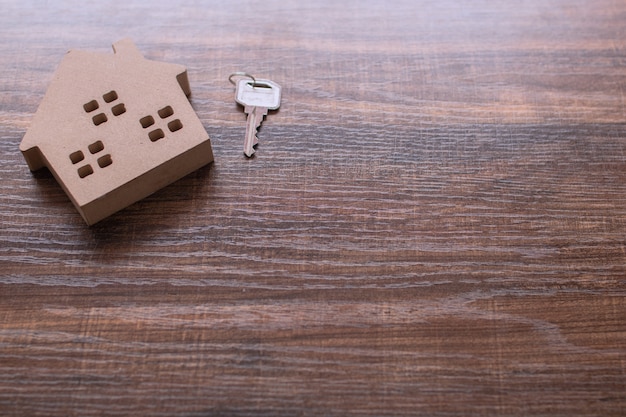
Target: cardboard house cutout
{"x":114,"y":128}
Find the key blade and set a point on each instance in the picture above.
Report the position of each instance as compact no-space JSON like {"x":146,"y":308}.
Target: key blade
{"x":260,"y":93}
{"x":253,"y":121}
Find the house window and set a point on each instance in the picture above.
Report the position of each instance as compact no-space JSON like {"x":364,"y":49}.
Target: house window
{"x":117,"y":109}
{"x":95,"y":149}
{"x":158,"y":133}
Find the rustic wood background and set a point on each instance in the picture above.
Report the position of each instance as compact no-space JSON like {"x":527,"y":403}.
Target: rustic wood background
{"x":434,"y":222}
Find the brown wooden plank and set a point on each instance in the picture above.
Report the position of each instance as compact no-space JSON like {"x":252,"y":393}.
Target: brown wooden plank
{"x":434,"y":222}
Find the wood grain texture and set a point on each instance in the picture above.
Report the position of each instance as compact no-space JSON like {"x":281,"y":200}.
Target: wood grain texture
{"x":434,"y":222}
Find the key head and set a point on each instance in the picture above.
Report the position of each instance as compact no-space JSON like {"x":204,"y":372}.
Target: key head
{"x":259,"y":93}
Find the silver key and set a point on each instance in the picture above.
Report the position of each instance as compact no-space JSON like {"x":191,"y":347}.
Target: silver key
{"x":256,"y":97}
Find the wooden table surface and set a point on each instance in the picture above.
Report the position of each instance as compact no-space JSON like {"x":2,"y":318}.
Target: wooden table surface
{"x":434,"y":222}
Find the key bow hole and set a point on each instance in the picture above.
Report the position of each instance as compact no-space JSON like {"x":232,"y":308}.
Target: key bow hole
{"x":259,"y":84}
